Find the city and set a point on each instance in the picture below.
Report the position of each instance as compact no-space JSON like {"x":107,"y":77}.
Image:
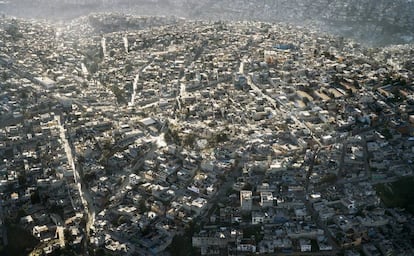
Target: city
{"x":132,"y":135}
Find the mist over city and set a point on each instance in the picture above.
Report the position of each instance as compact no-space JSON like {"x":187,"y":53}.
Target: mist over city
{"x":377,"y":23}
{"x":183,"y":127}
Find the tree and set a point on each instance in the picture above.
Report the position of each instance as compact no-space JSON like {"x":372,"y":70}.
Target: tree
{"x":93,"y":67}
{"x":35,"y":197}
{"x":171,"y":136}
{"x":13,"y":30}
{"x":20,"y":214}
{"x":118,"y":94}
{"x":121,"y":220}
{"x":23,"y":94}
{"x":189,"y":140}
{"x":329,"y":178}
{"x":22,"y":179}
{"x":142,"y":206}
{"x":387,"y":133}
{"x":68,"y":236}
{"x":128,"y":67}
{"x":248,"y":186}
{"x":5,"y":76}
{"x":99,"y":252}
{"x":220,"y":137}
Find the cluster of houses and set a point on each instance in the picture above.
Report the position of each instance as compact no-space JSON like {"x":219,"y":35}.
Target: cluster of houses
{"x":266,"y":137}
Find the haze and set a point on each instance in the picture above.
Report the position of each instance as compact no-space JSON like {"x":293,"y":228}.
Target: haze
{"x":374,"y":22}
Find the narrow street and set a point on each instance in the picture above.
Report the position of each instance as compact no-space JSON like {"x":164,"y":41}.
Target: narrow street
{"x":134,"y":91}
{"x":103,"y":45}
{"x":366,"y":157}
{"x":86,"y":198}
{"x":136,"y":80}
{"x":157,"y":141}
{"x":276,"y":111}
{"x":125,"y":40}
{"x":341,"y":167}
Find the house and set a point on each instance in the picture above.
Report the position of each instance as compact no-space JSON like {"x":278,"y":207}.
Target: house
{"x":246,"y":200}
{"x":258,"y":217}
{"x":305,"y":245}
{"x":266,"y":199}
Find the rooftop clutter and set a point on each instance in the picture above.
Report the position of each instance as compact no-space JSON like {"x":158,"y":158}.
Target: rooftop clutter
{"x":265,"y":137}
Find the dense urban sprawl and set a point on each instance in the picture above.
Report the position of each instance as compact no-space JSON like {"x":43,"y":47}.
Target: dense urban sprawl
{"x":134,"y":135}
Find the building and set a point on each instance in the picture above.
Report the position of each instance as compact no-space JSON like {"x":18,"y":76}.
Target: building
{"x":246,"y":200}
{"x":305,"y":245}
{"x":266,"y":199}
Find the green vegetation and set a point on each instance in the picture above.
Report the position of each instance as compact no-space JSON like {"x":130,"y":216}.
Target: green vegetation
{"x":189,"y":140}
{"x":98,"y":252}
{"x":182,"y":245}
{"x":22,"y":179}
{"x":230,"y":191}
{"x":142,"y":207}
{"x":387,"y":133}
{"x":35,"y":197}
{"x":118,"y":94}
{"x":128,"y":68}
{"x":219,"y":137}
{"x":14,"y":31}
{"x":5,"y":76}
{"x":20,"y":241}
{"x":329,"y":178}
{"x":253,"y":231}
{"x":398,"y":194}
{"x":171,"y":136}
{"x":315,"y":246}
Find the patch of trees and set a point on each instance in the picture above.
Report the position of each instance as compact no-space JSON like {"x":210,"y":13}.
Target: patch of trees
{"x":14,"y":31}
